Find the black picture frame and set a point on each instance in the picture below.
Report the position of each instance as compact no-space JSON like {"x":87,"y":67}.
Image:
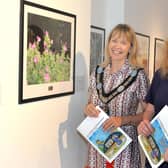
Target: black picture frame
{"x":47,"y":52}
{"x":158,"y":52}
{"x":143,"y":50}
{"x":97,"y":46}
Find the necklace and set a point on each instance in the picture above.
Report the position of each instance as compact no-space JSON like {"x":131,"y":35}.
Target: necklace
{"x":107,"y":97}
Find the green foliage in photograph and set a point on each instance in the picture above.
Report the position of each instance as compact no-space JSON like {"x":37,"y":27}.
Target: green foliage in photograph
{"x":47,"y":66}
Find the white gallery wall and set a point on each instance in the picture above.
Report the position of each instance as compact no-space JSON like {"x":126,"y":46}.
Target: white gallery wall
{"x":146,"y":17}
{"x":42,"y":134}
{"x":107,"y":14}
{"x":150,"y":18}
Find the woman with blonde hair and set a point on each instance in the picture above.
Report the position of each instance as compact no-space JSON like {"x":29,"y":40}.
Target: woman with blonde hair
{"x":156,"y":99}
{"x":118,"y":86}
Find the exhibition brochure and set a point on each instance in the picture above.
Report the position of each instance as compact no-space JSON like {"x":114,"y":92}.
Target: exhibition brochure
{"x":154,"y":145}
{"x":108,"y":143}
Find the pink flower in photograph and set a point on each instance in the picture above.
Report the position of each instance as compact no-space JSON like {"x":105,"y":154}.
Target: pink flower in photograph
{"x":38,"y":38}
{"x":48,"y":64}
{"x":46,"y":33}
{"x":65,"y":48}
{"x":45,"y":44}
{"x":33,"y":46}
{"x":47,"y":77}
{"x":46,"y":51}
{"x":35,"y":59}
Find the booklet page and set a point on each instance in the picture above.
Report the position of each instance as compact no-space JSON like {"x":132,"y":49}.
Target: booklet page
{"x":108,"y":143}
{"x":154,"y":145}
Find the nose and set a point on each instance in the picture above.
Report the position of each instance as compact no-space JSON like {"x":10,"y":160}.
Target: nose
{"x":117,"y":45}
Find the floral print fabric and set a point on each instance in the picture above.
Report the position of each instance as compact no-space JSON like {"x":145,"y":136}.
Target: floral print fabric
{"x":124,"y":104}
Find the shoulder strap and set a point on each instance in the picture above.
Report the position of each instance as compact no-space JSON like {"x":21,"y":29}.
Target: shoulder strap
{"x":107,"y":97}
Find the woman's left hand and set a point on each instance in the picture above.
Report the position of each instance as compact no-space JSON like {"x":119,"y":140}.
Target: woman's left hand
{"x":112,"y":122}
{"x":166,"y":155}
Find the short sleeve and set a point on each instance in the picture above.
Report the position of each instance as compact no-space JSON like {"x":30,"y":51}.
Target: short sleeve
{"x":92,"y":92}
{"x":142,"y":85}
{"x":92,"y":83}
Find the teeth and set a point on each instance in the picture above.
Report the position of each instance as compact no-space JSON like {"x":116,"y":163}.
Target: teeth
{"x":116,"y":52}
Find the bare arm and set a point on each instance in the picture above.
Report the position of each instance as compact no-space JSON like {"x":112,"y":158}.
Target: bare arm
{"x":125,"y":120}
{"x":166,"y":155}
{"x":149,"y":112}
{"x":134,"y":119}
{"x":145,"y":128}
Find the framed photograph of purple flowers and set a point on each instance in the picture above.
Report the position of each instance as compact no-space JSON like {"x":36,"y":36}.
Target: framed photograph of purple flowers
{"x":47,"y":52}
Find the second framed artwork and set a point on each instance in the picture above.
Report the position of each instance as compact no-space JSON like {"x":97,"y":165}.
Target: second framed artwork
{"x":47,"y":52}
{"x":158,"y":52}
{"x":143,"y":51}
{"x":97,"y":45}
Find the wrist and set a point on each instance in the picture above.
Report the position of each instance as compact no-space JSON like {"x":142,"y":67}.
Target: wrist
{"x":126,"y":120}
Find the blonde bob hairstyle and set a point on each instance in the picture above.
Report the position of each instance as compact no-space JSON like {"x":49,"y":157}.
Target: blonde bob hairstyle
{"x":164,"y":61}
{"x":123,"y":30}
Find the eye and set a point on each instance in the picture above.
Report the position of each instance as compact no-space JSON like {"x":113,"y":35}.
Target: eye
{"x":124,"y":42}
{"x":114,"y":40}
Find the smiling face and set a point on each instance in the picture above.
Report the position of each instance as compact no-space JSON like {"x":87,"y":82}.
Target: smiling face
{"x":119,"y":47}
{"x":121,"y":44}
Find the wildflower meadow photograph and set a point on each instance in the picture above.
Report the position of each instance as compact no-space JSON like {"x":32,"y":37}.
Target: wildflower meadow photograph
{"x":47,"y":53}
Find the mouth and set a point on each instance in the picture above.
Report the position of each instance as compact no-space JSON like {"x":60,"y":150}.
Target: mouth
{"x":116,"y":52}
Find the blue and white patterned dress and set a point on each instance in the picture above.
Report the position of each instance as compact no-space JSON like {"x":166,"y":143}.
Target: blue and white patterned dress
{"x":124,"y":104}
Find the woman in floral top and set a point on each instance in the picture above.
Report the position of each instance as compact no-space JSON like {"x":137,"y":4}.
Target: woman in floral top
{"x":118,"y":86}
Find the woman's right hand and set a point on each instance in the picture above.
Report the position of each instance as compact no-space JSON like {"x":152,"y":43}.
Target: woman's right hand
{"x":166,"y":155}
{"x":145,"y":128}
{"x":90,"y":110}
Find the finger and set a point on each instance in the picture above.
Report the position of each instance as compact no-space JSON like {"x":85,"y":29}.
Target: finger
{"x":166,"y":155}
{"x":139,"y":129}
{"x":94,"y":113}
{"x":94,"y":110}
{"x":107,"y":125}
{"x":87,"y":110}
{"x":148,"y":127}
{"x":91,"y":110}
{"x":145,"y":130}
